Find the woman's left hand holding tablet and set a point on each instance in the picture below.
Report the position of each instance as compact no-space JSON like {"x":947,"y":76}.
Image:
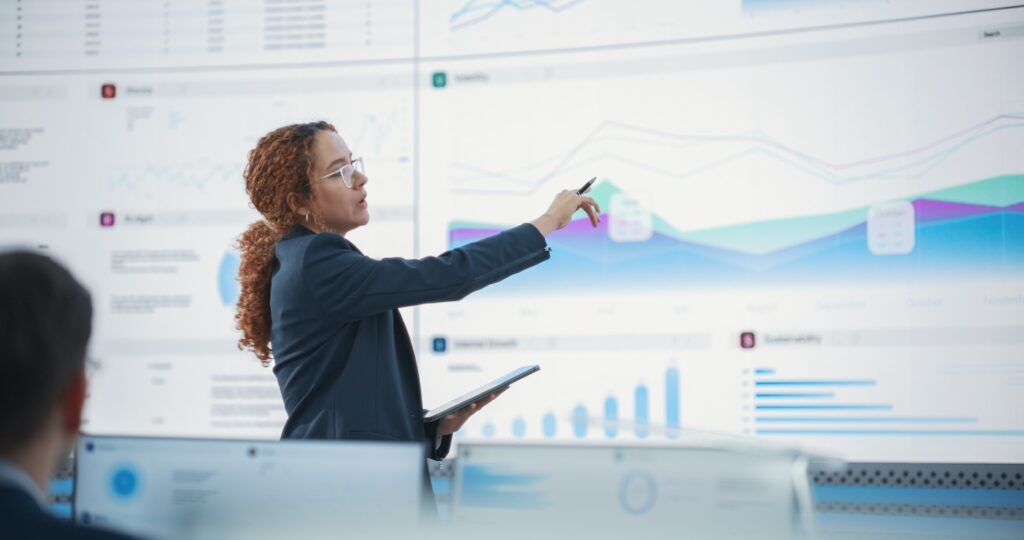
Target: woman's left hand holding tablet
{"x":453,"y":422}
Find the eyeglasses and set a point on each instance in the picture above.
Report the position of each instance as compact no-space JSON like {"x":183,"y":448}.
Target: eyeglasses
{"x":346,"y":172}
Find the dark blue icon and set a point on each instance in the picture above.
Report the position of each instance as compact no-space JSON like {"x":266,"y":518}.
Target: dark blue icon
{"x":125,"y":482}
{"x":440,"y":345}
{"x":89,"y":447}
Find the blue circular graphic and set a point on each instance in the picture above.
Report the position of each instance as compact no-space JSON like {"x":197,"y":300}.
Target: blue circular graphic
{"x":488,"y":430}
{"x":637,"y":493}
{"x":124,"y":482}
{"x":227,"y":278}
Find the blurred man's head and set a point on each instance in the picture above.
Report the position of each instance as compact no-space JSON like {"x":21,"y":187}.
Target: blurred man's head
{"x":45,"y":323}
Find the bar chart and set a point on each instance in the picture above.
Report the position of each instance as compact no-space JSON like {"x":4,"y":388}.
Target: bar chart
{"x":581,"y":422}
{"x":790,"y":405}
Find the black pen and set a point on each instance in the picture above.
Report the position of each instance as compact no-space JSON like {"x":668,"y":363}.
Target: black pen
{"x":586,"y":186}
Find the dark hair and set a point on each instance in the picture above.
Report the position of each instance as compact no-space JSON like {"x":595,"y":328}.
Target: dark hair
{"x":281,"y":163}
{"x":45,"y":324}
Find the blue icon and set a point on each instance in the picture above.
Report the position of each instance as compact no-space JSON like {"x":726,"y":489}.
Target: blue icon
{"x":440,"y":345}
{"x":125,"y":482}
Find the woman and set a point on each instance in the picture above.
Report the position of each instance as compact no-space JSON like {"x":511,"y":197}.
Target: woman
{"x":327,"y":314}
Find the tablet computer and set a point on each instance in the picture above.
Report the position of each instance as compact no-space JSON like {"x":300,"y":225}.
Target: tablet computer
{"x":472,"y":397}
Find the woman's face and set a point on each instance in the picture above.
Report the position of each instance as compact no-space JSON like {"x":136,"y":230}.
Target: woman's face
{"x":340,"y":207}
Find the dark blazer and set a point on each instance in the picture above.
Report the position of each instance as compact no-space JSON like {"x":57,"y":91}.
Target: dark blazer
{"x":21,"y":517}
{"x":342,"y":354}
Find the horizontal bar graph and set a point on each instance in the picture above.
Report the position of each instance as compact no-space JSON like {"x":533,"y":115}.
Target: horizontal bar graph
{"x":789,"y":406}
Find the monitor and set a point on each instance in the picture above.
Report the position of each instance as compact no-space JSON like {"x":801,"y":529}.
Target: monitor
{"x":205,"y":488}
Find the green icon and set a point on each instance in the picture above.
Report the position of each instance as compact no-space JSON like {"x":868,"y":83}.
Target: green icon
{"x":440,"y":79}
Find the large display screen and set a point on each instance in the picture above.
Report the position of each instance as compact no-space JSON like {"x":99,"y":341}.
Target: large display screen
{"x":813,"y":212}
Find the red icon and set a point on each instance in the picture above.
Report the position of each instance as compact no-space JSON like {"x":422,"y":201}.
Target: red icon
{"x":107,"y":219}
{"x":108,"y":91}
{"x":748,"y":340}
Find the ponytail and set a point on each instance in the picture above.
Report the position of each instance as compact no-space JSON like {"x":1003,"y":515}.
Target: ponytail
{"x":253,"y":314}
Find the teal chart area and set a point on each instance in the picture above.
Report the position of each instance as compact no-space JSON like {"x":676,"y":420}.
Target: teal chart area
{"x":971,"y":231}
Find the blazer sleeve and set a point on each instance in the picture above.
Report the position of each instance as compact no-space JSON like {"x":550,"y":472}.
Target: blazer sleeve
{"x":352,"y":286}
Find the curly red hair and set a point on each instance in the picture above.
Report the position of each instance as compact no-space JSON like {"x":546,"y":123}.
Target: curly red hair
{"x":280,"y":164}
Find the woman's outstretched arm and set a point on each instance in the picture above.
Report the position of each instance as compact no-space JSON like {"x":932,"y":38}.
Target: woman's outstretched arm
{"x":351,"y":286}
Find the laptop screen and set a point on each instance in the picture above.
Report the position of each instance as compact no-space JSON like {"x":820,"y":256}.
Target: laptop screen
{"x":636,"y":491}
{"x":198,"y":488}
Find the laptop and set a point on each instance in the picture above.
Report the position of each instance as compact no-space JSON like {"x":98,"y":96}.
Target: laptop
{"x":605,"y":491}
{"x":206,"y":488}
